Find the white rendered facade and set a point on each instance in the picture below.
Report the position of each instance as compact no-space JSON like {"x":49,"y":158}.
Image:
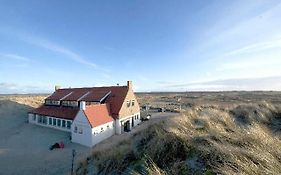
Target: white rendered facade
{"x":51,"y":122}
{"x":81,"y":130}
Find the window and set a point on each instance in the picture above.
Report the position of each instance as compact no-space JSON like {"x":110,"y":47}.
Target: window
{"x":80,"y":130}
{"x":50,"y":121}
{"x":45,"y":120}
{"x":54,"y":121}
{"x":133,"y":102}
{"x":128,"y":103}
{"x":52,"y":102}
{"x":70,"y":103}
{"x":34,"y":117}
{"x":68,"y":124}
{"x":107,"y":126}
{"x":59,"y":121}
{"x":75,"y":129}
{"x":101,"y":129}
{"x":39,"y":119}
{"x":63,"y":123}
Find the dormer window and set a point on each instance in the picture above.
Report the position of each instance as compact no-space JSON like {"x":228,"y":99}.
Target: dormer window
{"x":70,"y":103}
{"x":128,"y":103}
{"x":52,"y":102}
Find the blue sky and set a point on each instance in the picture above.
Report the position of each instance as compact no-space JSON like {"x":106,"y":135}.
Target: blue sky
{"x":180,"y":45}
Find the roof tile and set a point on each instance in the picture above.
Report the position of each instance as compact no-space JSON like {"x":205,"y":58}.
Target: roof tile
{"x":98,"y":114}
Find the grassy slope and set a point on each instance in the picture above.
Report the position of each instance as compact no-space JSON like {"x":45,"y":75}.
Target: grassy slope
{"x":244,"y":139}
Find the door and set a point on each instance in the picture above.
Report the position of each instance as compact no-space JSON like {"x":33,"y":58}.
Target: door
{"x":127,"y":126}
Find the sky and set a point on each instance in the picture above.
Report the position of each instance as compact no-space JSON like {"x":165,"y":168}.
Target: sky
{"x":161,"y":45}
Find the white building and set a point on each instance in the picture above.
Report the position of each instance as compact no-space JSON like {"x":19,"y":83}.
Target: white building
{"x":89,"y":114}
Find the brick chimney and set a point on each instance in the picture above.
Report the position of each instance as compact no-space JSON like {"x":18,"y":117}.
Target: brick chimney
{"x":57,"y":87}
{"x":130,"y":84}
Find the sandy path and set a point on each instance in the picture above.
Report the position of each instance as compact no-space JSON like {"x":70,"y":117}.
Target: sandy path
{"x":24,"y":147}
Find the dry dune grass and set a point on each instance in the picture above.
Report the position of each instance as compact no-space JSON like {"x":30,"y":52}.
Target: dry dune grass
{"x":30,"y":100}
{"x":243,"y":139}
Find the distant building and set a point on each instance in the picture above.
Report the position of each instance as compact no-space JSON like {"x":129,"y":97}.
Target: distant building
{"x":90,"y":114}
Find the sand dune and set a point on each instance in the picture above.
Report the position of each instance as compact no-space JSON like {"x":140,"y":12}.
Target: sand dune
{"x":24,"y":147}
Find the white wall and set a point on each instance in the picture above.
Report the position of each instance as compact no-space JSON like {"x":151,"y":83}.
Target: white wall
{"x":102,"y":132}
{"x":118,"y":129}
{"x":120,"y":122}
{"x":81,"y":122}
{"x":137,"y":120}
{"x":31,"y":120}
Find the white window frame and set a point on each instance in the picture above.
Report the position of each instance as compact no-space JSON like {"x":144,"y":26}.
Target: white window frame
{"x":50,"y":121}
{"x":59,"y":122}
{"x":63,"y":122}
{"x":68,"y":126}
{"x":54,"y":122}
{"x":80,"y":130}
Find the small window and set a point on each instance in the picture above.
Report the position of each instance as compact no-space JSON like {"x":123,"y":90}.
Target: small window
{"x":107,"y":126}
{"x":63,"y":123}
{"x":39,"y":119}
{"x":34,"y":117}
{"x":128,"y":103}
{"x":75,"y":129}
{"x":68,"y":124}
{"x":54,"y":121}
{"x":101,"y":129}
{"x":80,"y":130}
{"x":133,"y":102}
{"x":45,"y":120}
{"x":59,"y":122}
{"x":50,"y":121}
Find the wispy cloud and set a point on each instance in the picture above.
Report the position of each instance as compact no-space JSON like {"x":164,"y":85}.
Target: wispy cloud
{"x":11,"y":88}
{"x":68,"y":53}
{"x":263,"y":83}
{"x":256,"y":47}
{"x":14,"y":57}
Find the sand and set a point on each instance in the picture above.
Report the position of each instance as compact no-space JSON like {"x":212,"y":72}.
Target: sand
{"x":24,"y":147}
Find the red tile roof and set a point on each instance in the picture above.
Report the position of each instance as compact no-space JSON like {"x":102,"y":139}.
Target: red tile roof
{"x":94,"y":94}
{"x":55,"y":111}
{"x":98,"y":114}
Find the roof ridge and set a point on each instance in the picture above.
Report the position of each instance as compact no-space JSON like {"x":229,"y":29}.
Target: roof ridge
{"x":93,"y":87}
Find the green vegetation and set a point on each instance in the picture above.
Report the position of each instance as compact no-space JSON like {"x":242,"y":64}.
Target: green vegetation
{"x":243,"y":139}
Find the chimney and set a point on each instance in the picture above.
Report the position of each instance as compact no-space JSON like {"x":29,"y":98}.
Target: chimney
{"x":130,"y":84}
{"x":57,"y":87}
{"x":82,"y":105}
